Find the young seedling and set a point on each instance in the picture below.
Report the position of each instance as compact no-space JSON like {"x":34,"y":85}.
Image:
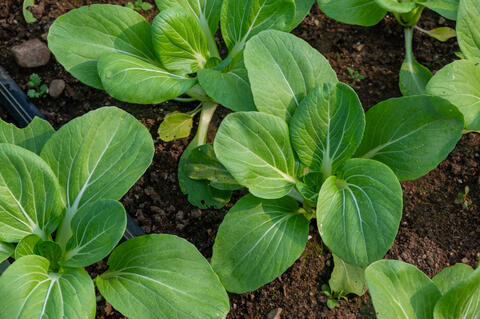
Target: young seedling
{"x":413,"y":76}
{"x":333,"y":297}
{"x":459,"y":81}
{"x":139,"y":5}
{"x":462,"y":198}
{"x":59,"y":213}
{"x":400,"y":290}
{"x":27,"y":14}
{"x":355,"y":75}
{"x":37,"y":89}
{"x":114,"y":48}
{"x":311,"y":152}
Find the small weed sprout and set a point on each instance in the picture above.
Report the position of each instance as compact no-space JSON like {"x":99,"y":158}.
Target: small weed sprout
{"x":462,"y":198}
{"x":36,"y":88}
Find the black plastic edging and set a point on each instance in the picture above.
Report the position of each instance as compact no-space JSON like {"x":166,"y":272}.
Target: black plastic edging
{"x":23,"y":111}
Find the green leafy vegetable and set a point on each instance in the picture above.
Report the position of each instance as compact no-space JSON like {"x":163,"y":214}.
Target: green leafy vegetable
{"x":265,"y":235}
{"x":282,"y":70}
{"x":255,"y":148}
{"x":448,"y":277}
{"x":459,"y":82}
{"x":6,"y":250}
{"x":33,"y":137}
{"x":361,"y":12}
{"x":27,"y":245}
{"x":412,"y":135}
{"x":166,"y":276}
{"x":467,"y":28}
{"x":347,"y":279}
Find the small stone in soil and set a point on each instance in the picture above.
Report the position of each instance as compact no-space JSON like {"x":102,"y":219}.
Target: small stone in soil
{"x":32,"y":53}
{"x":180,"y":215}
{"x":275,"y":313}
{"x":196,"y":213}
{"x":56,"y":88}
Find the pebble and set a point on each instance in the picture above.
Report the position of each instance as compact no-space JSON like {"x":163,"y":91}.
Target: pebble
{"x":196,"y":213}
{"x":275,"y":313}
{"x":180,"y":215}
{"x":56,"y":88}
{"x":32,"y":53}
{"x":465,"y":260}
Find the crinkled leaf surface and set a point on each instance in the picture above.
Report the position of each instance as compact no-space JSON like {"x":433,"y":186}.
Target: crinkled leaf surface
{"x":231,"y":88}
{"x":327,"y":127}
{"x":6,"y":250}
{"x":133,"y":80}
{"x":255,"y":148}
{"x":200,"y":192}
{"x":202,"y":164}
{"x":81,"y":36}
{"x":242,"y":20}
{"x":26,"y":246}
{"x":359,"y":211}
{"x":283,"y":69}
{"x":446,"y":8}
{"x":459,"y":82}
{"x":265,"y":236}
{"x":29,"y":290}
{"x":32,"y":137}
{"x":468,"y":32}
{"x":397,"y":6}
{"x":450,"y":276}
{"x":206,"y":11}
{"x":99,"y":155}
{"x":347,"y":279}
{"x":462,"y":301}
{"x":412,"y":135}
{"x":179,"y":41}
{"x":413,"y":77}
{"x":162,"y":276}
{"x":361,"y":12}
{"x":175,"y":125}
{"x":400,"y":290}
{"x":97,"y":228}
{"x":30,"y":197}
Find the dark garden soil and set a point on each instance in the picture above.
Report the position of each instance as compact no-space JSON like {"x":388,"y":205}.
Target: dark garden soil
{"x":435,"y":231}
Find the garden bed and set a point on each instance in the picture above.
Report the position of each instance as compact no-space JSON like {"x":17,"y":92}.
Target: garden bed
{"x":435,"y":231}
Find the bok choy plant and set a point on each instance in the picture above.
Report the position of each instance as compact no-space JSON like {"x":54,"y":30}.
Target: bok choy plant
{"x":413,"y":75}
{"x":311,"y":152}
{"x":400,"y":290}
{"x":459,"y":81}
{"x":59,"y":212}
{"x":114,"y":48}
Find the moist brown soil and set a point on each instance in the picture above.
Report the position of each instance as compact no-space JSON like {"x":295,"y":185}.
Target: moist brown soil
{"x":435,"y":232}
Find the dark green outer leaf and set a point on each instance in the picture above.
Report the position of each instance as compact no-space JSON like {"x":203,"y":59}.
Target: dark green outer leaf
{"x":447,"y":8}
{"x":401,"y":291}
{"x":30,"y":197}
{"x":361,"y":12}
{"x":303,"y":8}
{"x":162,"y":276}
{"x":81,"y":36}
{"x":413,"y":77}
{"x":133,"y":80}
{"x":462,"y":301}
{"x":359,"y":211}
{"x":32,"y":137}
{"x":241,"y":20}
{"x":29,"y":290}
{"x":327,"y":127}
{"x":282,"y":70}
{"x":265,"y":236}
{"x":396,"y":5}
{"x":202,"y":164}
{"x":450,"y":276}
{"x":255,"y":148}
{"x":459,"y":82}
{"x":50,"y":250}
{"x":231,"y":88}
{"x":412,"y":135}
{"x":468,"y":32}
